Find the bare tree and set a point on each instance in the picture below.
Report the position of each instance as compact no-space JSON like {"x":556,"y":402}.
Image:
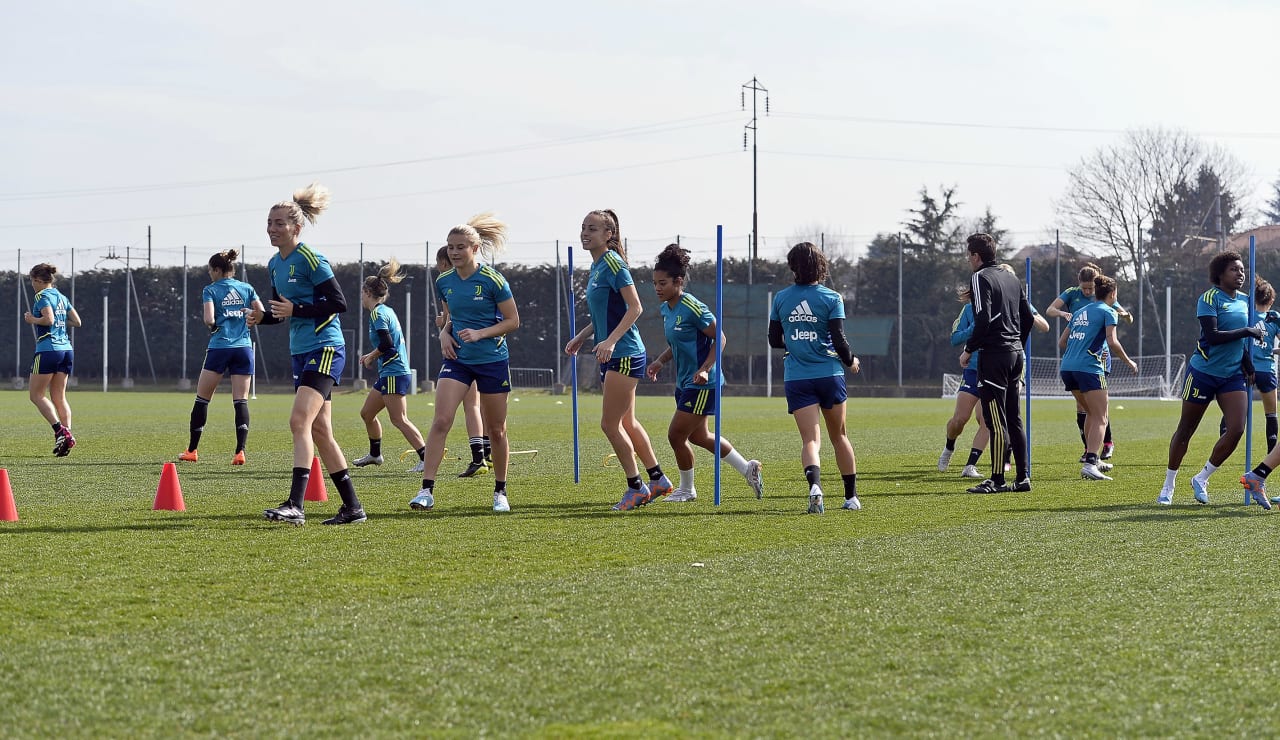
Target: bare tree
{"x":1115,"y":194}
{"x":1118,"y":190}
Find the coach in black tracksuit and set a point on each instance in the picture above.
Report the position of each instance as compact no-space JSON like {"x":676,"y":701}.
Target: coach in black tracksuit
{"x":1002,"y":322}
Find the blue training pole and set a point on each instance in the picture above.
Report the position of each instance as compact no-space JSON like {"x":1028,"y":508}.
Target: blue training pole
{"x":719,"y":350}
{"x":573,"y":368}
{"x":1026,"y":354}
{"x":1253,"y":319}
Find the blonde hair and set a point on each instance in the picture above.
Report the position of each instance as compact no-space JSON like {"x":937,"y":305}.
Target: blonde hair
{"x":611,"y":223}
{"x":485,"y":231}
{"x":389,"y":274}
{"x":307,"y":204}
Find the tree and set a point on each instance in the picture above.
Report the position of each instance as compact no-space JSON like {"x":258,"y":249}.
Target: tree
{"x":1120,"y":190}
{"x":935,"y":228}
{"x":988,"y":223}
{"x":1272,"y":211}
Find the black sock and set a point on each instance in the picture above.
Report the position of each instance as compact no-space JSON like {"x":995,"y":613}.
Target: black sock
{"x":974,"y":455}
{"x":1106,"y":436}
{"x":242,"y":423}
{"x":477,"y":450}
{"x":346,"y":489}
{"x":428,"y":484}
{"x":199,"y":415}
{"x":813,"y":474}
{"x":1272,"y":428}
{"x":951,"y":444}
{"x":298,"y":487}
{"x":633,"y":482}
{"x":1090,"y":458}
{"x":488,"y":450}
{"x":655,"y":472}
{"x":58,"y":429}
{"x":422,"y":452}
{"x":1262,"y":471}
{"x":850,"y":485}
{"x":1080,"y":416}
{"x":375,"y":447}
{"x":499,"y":486}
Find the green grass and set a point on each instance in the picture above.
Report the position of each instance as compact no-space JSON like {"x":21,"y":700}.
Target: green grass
{"x":1080,"y":609}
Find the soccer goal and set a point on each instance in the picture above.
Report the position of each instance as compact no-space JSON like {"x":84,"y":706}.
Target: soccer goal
{"x":532,"y":378}
{"x":1157,"y":377}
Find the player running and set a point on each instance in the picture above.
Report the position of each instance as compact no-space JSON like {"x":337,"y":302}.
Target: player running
{"x":389,"y":355}
{"x":807,"y":320}
{"x":54,"y":359}
{"x":691,"y":334}
{"x":228,"y":305}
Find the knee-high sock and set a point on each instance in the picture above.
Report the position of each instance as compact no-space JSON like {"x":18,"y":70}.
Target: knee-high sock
{"x":242,"y":423}
{"x":199,"y":415}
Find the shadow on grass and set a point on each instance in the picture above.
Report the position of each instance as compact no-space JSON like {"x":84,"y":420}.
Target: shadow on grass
{"x":84,"y":529}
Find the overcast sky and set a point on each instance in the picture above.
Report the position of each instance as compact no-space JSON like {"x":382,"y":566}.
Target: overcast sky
{"x":194,"y":118}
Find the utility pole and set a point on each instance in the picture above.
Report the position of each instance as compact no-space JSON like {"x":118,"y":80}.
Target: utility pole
{"x":755,"y":87}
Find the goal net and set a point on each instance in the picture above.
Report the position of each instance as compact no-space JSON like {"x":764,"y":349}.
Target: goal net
{"x":1158,"y":376}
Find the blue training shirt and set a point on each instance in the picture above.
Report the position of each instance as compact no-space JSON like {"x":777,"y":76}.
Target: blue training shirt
{"x":1087,"y":340}
{"x":1263,"y":360}
{"x":52,"y":337}
{"x":609,"y":275}
{"x":683,"y":327}
{"x":1232,"y":312}
{"x":393,"y":363}
{"x":295,"y":278}
{"x":803,"y":311}
{"x":962,"y":329}
{"x":473,"y":304}
{"x":232,"y":302}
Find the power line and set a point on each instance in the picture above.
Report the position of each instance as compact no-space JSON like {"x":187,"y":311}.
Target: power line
{"x":437,"y":191}
{"x":661,"y":127}
{"x":1011,"y":127}
{"x":904,"y":160}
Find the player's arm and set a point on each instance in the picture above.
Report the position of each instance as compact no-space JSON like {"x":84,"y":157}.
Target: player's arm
{"x":1118,"y":350}
{"x":510,"y":322}
{"x":775,"y":334}
{"x":1213,"y":335}
{"x":1056,"y":310}
{"x":838,"y":341}
{"x":269,"y":317}
{"x":73,"y":318}
{"x":329,"y":301}
{"x":44,"y":318}
{"x":209,"y":319}
{"x":632,"y":298}
{"x":703,"y":374}
{"x":961,"y":329}
{"x":1026,"y":318}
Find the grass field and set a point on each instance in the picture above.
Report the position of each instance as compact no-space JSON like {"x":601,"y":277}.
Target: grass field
{"x":1080,"y":609}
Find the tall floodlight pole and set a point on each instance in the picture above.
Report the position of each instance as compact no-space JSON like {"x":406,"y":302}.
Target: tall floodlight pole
{"x":755,"y":87}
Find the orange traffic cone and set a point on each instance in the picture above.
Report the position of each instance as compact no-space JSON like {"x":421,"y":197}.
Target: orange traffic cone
{"x":8,"y":510}
{"x":169,"y":492}
{"x":315,"y":484}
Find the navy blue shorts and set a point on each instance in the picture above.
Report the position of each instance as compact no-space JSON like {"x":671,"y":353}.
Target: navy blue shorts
{"x":396,"y":385}
{"x":1074,"y":380}
{"x":328,"y":361}
{"x":699,"y":401}
{"x":52,"y":361}
{"x":238,"y":360}
{"x":826,"y":392}
{"x":970,"y":383}
{"x":1264,"y":382}
{"x":632,"y":367}
{"x":489,"y":377}
{"x":1198,"y":387}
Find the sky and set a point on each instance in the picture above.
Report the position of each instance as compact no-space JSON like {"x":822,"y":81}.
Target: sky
{"x":194,"y":118}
